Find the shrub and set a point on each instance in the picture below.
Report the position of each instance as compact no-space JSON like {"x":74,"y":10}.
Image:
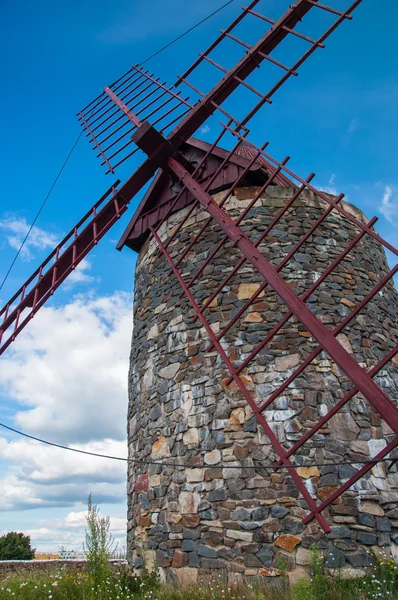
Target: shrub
{"x":16,"y":546}
{"x":99,"y":546}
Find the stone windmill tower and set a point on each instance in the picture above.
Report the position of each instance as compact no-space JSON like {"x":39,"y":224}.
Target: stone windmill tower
{"x":264,"y":375}
{"x":224,"y":508}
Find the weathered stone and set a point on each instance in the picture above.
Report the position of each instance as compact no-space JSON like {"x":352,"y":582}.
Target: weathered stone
{"x":303,"y":556}
{"x":162,"y":559}
{"x":246,"y":290}
{"x":241,"y":514}
{"x":335,"y":559}
{"x":383,"y":539}
{"x":297,"y":575}
{"x":339,"y":532}
{"x":194,"y":475}
{"x":250,"y":425}
{"x":211,"y":563}
{"x":383,"y":524}
{"x":141,"y":484}
{"x":278,"y":512}
{"x":251,"y":560}
{"x":270,"y":572}
{"x":180,"y":559}
{"x":189,"y":502}
{"x":211,"y":474}
{"x":287,"y":542}
{"x":153,"y":332}
{"x":253,"y":317}
{"x":371,"y":508}
{"x":186,"y":576}
{"x":213,"y":457}
{"x":287,"y":362}
{"x":345,"y":342}
{"x":160,"y":448}
{"x":266,"y":556}
{"x":213,"y":537}
{"x":191,"y":436}
{"x":361,"y":447}
{"x":366,"y":519}
{"x":344,"y":427}
{"x":324,"y":493}
{"x":359,"y":559}
{"x":273,"y":525}
{"x":240,"y":451}
{"x":170,"y":371}
{"x":259,"y":514}
{"x":245,"y":536}
{"x":190,"y":534}
{"x":369,"y":539}
{"x":206,"y":551}
{"x":190,"y":520}
{"x":347,"y":302}
{"x":218,"y":495}
{"x":188,"y":545}
{"x":346,"y":471}
{"x":237,"y":417}
{"x":308,"y":472}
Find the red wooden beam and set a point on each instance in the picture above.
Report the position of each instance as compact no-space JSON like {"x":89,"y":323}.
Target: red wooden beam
{"x":250,"y":400}
{"x":325,"y":338}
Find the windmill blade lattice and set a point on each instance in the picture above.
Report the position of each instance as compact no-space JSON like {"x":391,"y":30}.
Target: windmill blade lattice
{"x":110,"y":129}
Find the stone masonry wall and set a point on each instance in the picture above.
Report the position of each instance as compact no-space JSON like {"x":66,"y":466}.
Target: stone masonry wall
{"x":243,"y":520}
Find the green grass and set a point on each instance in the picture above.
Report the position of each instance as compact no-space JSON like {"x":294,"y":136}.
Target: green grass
{"x":381,"y":583}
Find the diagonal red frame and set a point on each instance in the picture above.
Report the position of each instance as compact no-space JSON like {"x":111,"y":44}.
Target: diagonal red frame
{"x":164,"y":155}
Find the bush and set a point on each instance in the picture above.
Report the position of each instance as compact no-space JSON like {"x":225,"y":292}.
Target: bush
{"x":99,"y":546}
{"x":16,"y":546}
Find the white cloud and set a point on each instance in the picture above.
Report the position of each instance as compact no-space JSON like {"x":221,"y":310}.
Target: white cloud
{"x":68,"y":532}
{"x":67,"y":375}
{"x":352,"y":126}
{"x":68,"y":370}
{"x":329,"y":189}
{"x":388,"y":208}
{"x":15,"y":230}
{"x":331,"y":180}
{"x":204,"y":129}
{"x":79,"y":275}
{"x":41,"y":476}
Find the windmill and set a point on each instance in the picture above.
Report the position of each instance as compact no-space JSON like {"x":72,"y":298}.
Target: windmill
{"x":138,"y":114}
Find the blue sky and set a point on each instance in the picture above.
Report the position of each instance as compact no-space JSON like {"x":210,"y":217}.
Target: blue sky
{"x":338,"y":118}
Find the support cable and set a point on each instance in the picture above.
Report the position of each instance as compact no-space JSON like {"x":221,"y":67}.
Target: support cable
{"x":186,"y":32}
{"x":187,"y":465}
{"x":40,"y":209}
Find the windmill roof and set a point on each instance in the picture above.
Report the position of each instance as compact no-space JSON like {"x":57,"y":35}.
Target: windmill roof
{"x":156,"y":202}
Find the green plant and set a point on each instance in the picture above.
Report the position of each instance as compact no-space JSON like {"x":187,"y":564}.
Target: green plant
{"x":302,"y":590}
{"x":383,"y":581}
{"x":16,"y":546}
{"x":318,"y":574}
{"x":99,"y":546}
{"x":149,"y":573}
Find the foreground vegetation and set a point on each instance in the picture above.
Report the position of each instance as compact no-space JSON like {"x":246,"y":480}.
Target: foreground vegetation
{"x":101,"y":584}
